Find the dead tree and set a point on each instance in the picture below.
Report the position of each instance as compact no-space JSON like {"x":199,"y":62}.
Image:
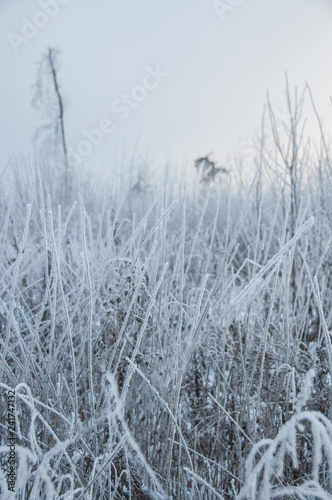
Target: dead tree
{"x":48,"y":99}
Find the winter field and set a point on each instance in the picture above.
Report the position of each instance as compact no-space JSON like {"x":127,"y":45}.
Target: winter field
{"x":171,"y":341}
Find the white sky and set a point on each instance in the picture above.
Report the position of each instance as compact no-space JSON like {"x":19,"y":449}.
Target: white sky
{"x":219,"y":71}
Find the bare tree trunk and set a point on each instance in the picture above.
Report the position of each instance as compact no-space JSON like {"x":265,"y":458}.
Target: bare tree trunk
{"x":61,"y":120}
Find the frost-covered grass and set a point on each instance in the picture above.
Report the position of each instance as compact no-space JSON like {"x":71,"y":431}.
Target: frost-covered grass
{"x":168,"y":344}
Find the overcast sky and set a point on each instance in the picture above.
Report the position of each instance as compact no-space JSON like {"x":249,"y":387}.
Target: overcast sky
{"x":196,"y":74}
